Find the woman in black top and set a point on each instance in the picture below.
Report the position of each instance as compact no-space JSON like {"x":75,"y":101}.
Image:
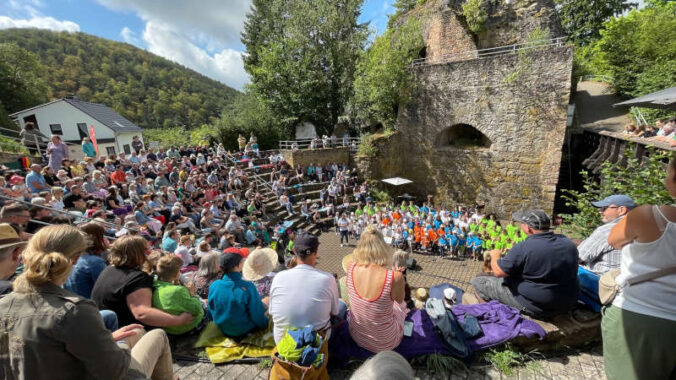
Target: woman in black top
{"x":127,"y":290}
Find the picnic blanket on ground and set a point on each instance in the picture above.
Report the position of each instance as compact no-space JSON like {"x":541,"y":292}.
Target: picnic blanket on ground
{"x":221,"y":349}
{"x":499,"y":323}
{"x":423,"y":341}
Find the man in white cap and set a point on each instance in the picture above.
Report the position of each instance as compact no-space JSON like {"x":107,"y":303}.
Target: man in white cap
{"x":11,"y":247}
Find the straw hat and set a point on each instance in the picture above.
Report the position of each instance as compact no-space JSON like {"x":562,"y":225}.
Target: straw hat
{"x":419,"y":298}
{"x":259,"y":263}
{"x":347,"y":260}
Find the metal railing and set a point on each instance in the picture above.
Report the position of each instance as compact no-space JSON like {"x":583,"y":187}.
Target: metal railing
{"x":301,"y":144}
{"x":499,"y":50}
{"x":39,"y":143}
{"x":57,"y":211}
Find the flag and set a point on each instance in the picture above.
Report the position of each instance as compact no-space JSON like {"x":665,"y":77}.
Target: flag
{"x":92,"y":137}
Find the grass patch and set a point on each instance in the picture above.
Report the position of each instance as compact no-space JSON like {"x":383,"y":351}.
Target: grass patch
{"x":265,"y":364}
{"x":506,"y":360}
{"x":442,"y":365}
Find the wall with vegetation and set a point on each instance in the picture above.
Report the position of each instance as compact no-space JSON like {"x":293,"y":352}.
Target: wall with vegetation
{"x":517,"y":101}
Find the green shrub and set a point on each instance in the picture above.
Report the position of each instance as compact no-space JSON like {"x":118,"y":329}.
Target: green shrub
{"x":11,"y":146}
{"x":475,"y":15}
{"x":643,"y":182}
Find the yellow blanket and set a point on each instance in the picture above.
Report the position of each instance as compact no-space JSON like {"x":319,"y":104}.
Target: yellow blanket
{"x":221,"y":349}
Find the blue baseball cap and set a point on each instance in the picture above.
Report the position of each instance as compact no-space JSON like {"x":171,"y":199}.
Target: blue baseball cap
{"x":617,"y":200}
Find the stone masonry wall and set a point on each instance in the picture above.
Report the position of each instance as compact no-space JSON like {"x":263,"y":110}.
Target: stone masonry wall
{"x":518,"y":101}
{"x":305,"y":157}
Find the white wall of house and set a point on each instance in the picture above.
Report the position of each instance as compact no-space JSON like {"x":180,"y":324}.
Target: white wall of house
{"x":68,"y":117}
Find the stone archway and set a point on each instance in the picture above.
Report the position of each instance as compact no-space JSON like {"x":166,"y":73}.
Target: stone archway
{"x":462,"y":136}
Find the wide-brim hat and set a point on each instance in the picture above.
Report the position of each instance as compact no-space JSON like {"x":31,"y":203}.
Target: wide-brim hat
{"x":259,"y":263}
{"x":347,"y":260}
{"x":9,"y":237}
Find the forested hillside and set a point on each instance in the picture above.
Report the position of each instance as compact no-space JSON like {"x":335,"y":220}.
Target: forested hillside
{"x":147,"y":89}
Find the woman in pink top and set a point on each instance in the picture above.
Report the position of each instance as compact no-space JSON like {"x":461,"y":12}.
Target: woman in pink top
{"x":376,"y":292}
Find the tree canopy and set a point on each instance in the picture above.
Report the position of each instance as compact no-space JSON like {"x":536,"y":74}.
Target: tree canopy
{"x":301,"y":57}
{"x":582,"y":20}
{"x":148,"y":90}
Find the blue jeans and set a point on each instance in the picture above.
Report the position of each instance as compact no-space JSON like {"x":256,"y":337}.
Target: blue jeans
{"x":109,"y":319}
{"x":589,"y":288}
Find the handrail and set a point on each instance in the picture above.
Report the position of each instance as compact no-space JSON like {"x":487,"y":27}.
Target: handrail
{"x":301,"y":144}
{"x":40,"y":145}
{"x":499,"y":50}
{"x":31,"y":205}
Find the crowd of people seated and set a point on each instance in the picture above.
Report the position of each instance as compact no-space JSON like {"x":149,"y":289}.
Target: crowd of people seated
{"x":663,"y":130}
{"x":134,"y":260}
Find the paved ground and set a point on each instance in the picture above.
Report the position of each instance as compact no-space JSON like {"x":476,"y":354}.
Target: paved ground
{"x":594,"y":102}
{"x":433,"y":270}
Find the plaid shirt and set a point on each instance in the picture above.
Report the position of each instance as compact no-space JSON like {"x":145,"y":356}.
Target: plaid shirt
{"x":599,"y":256}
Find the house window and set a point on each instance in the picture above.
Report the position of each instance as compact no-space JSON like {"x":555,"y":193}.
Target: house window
{"x":126,"y":148}
{"x":82,"y":130}
{"x":56,"y":129}
{"x":110,"y":150}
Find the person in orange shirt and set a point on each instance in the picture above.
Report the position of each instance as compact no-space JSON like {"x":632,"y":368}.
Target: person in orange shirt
{"x":432,"y":237}
{"x":118,"y":177}
{"x":396,"y":215}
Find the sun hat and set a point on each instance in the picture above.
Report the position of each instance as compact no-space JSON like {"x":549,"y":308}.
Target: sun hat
{"x":259,"y":263}
{"x":9,"y":237}
{"x":15,"y":179}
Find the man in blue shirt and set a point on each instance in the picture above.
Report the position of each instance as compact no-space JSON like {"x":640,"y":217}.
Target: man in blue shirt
{"x":35,"y":180}
{"x":539,"y":276}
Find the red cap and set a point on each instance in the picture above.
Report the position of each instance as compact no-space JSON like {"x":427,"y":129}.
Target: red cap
{"x":244,"y":252}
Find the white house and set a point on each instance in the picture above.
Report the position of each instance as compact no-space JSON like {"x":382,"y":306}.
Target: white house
{"x":71,"y":118}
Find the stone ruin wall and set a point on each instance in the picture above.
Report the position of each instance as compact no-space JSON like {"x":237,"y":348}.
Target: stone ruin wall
{"x":524,"y":118}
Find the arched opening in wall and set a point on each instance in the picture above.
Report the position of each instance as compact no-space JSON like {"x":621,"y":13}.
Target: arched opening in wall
{"x":463,"y":136}
{"x":423,"y":52}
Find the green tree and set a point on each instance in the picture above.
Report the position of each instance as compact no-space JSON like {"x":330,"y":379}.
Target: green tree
{"x":21,"y":78}
{"x":384,"y":79}
{"x":302,"y":57}
{"x":475,"y":14}
{"x":148,"y":90}
{"x":639,"y":50}
{"x":246,"y":115}
{"x":582,"y":20}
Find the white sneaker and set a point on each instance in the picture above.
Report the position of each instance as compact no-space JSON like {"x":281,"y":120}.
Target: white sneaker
{"x":341,"y":244}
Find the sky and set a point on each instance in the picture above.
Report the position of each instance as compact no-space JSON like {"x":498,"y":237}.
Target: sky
{"x":200,"y":34}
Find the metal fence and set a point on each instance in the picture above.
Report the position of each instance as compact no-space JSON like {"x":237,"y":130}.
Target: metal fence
{"x":301,"y":144}
{"x":499,"y":50}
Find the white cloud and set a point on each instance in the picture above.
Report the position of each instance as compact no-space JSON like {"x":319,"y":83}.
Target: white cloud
{"x":217,"y":21}
{"x":129,"y":36}
{"x":226,"y":66}
{"x":39,"y":23}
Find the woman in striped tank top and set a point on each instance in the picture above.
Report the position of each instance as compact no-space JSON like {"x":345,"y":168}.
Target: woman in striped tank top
{"x":376,"y":292}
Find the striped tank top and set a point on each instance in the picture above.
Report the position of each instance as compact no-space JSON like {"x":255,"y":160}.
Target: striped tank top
{"x":375,"y":324}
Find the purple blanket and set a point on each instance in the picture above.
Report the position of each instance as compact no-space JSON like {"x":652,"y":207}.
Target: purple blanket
{"x":423,"y":341}
{"x":499,"y":323}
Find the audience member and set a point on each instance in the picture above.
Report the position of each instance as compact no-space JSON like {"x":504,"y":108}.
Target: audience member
{"x":303,"y":295}
{"x":376,"y":292}
{"x":173,"y":298}
{"x":125,"y":289}
{"x":234,"y":303}
{"x":77,"y":345}
{"x":639,"y":327}
{"x":11,"y":246}
{"x":90,"y":265}
{"x":538,"y":276}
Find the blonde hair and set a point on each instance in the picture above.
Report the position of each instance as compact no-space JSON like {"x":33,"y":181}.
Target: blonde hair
{"x":49,"y":256}
{"x":167,"y":267}
{"x":373,"y":249}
